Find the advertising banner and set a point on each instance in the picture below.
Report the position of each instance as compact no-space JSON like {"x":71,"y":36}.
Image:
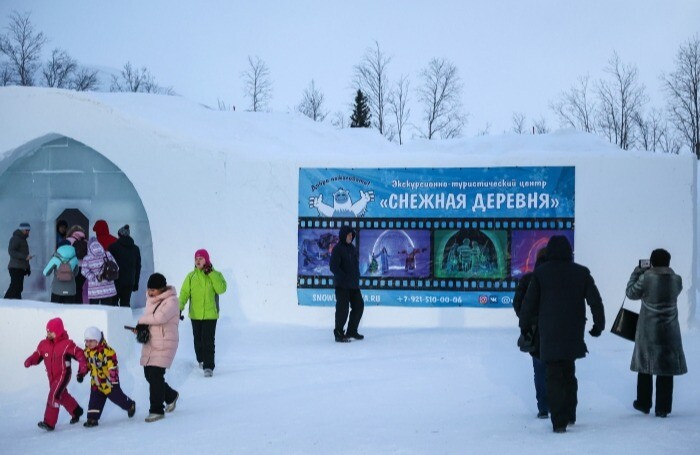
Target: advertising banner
{"x":431,"y":237}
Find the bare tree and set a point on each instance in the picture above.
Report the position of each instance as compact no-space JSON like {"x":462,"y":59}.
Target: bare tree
{"x":620,"y":100}
{"x":650,"y":130}
{"x":59,"y":69}
{"x":340,"y":120}
{"x":257,"y":84}
{"x":397,"y":101}
{"x":22,"y":46}
{"x":576,"y":108}
{"x":683,"y":89}
{"x":5,"y":74}
{"x":485,"y":131}
{"x":84,"y":80}
{"x":311,"y":104}
{"x":132,"y":79}
{"x":541,"y":126}
{"x":441,"y":97}
{"x":519,"y":123}
{"x":223,"y":106}
{"x":371,"y":77}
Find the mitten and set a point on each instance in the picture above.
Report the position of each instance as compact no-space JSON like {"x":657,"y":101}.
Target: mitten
{"x":207,"y":269}
{"x":595,"y":331}
{"x":79,"y":377}
{"x":27,"y":363}
{"x":113,"y":376}
{"x":28,"y":272}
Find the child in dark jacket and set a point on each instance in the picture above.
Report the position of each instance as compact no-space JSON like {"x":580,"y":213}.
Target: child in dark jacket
{"x":105,"y":377}
{"x":56,"y":351}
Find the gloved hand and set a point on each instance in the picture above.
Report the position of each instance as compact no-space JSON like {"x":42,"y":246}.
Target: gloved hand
{"x":207,"y":269}
{"x":27,"y":363}
{"x":136,"y":287}
{"x":79,"y":377}
{"x":28,"y":272}
{"x":595,"y":331}
{"x":113,"y":377}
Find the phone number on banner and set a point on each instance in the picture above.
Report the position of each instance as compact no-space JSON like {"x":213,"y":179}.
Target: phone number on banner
{"x":321,"y":297}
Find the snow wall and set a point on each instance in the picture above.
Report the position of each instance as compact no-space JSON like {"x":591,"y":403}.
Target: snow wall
{"x":228,"y":182}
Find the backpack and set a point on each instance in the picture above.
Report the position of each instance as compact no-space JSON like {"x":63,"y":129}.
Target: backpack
{"x":63,"y":271}
{"x":110,"y":270}
{"x":80,"y":248}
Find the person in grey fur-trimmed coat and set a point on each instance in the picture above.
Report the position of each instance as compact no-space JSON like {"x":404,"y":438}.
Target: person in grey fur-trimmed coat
{"x":658,"y":349}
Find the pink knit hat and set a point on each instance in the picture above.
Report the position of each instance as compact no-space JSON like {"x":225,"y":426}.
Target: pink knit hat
{"x":203,"y":254}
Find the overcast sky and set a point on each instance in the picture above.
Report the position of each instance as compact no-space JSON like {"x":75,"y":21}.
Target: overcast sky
{"x":512,"y":55}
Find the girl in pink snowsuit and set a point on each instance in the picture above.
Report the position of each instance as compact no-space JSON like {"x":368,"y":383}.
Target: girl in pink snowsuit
{"x":56,"y":351}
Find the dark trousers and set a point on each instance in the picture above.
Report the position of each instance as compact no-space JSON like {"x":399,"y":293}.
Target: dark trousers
{"x":55,"y":298}
{"x":540,"y":370}
{"x":98,"y":399}
{"x":16,"y":284}
{"x":204,"y":334}
{"x":664,"y":392}
{"x":79,"y":283}
{"x":123,"y":297}
{"x":159,"y":390}
{"x":346,"y":299}
{"x":562,"y":392}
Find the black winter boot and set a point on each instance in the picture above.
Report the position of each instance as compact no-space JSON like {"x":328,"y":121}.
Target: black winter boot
{"x":355,"y":335}
{"x":340,"y":336}
{"x":76,"y":415}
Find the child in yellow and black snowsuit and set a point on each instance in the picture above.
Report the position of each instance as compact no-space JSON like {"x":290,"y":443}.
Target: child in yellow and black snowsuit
{"x":102,"y":360}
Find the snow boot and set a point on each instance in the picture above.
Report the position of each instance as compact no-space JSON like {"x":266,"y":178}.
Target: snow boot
{"x":132,"y":410}
{"x":355,"y":335}
{"x":90,"y":423}
{"x":170,"y":407}
{"x":45,"y":426}
{"x":76,"y":415}
{"x":152,"y":417}
{"x":340,"y":336}
{"x":639,"y":407}
{"x":208,"y":372}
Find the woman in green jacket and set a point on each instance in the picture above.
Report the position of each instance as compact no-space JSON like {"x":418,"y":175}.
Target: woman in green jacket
{"x":201,"y":288}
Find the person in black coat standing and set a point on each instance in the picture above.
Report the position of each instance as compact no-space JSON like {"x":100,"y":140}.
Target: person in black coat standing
{"x":18,"y":249}
{"x":128,"y":257}
{"x":539,"y":368}
{"x":556,"y":301}
{"x":345,"y":265}
{"x":658,"y":349}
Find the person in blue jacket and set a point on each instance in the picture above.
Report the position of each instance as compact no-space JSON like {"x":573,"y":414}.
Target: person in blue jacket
{"x":63,"y":285}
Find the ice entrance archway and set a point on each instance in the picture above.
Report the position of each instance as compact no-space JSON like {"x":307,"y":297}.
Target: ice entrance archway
{"x":41,"y":179}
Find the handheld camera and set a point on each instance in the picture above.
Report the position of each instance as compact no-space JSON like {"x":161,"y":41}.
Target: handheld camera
{"x":644,"y":263}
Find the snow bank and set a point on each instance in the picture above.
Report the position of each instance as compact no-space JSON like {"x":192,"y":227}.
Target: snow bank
{"x":228,"y":182}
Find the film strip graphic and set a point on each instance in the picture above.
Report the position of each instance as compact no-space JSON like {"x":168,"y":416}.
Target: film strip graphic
{"x":451,"y":255}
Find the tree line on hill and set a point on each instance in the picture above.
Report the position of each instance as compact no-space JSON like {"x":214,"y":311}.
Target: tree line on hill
{"x":614,"y":106}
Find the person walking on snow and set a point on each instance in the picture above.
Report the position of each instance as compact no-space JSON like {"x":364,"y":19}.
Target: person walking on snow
{"x":104,"y":384}
{"x":56,"y":351}
{"x":202,"y":288}
{"x":162,"y":316}
{"x":128,"y":257}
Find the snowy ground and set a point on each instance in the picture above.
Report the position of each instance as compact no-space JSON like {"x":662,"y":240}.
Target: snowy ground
{"x":292,"y":390}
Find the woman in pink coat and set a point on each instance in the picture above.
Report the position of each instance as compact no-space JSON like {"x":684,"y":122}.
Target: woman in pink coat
{"x":162,"y":315}
{"x":56,"y":351}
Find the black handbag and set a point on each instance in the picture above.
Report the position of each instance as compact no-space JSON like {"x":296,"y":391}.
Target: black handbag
{"x":625,"y":324}
{"x":143,"y":334}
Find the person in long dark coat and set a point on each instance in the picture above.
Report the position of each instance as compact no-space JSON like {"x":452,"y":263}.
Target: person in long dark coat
{"x":538,"y":366}
{"x":658,"y":349}
{"x":556,"y":301}
{"x":345,"y":265}
{"x":128,"y":257}
{"x":18,"y":250}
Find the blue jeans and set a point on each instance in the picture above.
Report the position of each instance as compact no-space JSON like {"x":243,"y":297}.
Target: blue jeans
{"x":540,"y":384}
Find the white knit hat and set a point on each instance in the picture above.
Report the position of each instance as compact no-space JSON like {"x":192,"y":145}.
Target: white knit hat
{"x":93,"y":333}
